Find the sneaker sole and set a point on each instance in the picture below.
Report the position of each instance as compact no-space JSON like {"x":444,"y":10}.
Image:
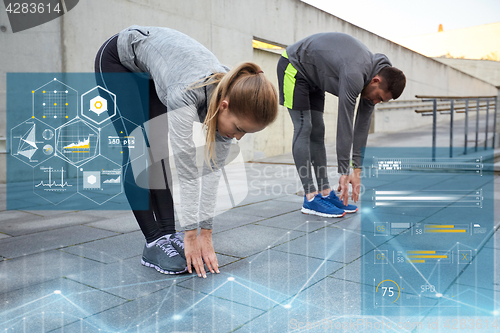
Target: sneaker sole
{"x":351,"y":211}
{"x":313,"y":212}
{"x":147,"y":264}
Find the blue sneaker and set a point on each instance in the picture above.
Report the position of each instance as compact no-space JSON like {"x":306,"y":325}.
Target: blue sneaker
{"x":321,"y":207}
{"x":335,"y":200}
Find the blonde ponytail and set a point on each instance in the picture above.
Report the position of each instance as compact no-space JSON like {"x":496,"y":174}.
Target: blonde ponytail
{"x":251,"y":96}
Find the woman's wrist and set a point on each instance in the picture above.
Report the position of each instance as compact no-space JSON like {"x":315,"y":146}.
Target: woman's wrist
{"x":191,"y":234}
{"x":205,"y":232}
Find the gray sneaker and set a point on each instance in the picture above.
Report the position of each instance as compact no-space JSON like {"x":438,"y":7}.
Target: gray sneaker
{"x":164,"y":257}
{"x":177,"y":241}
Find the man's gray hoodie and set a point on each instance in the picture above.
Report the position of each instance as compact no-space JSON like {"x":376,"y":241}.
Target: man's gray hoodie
{"x":341,"y":65}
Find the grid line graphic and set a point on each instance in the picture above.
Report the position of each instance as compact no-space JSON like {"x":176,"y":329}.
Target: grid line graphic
{"x":55,"y":104}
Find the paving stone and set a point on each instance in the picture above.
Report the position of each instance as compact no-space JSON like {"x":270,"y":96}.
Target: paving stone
{"x":4,"y":236}
{"x":50,"y":305}
{"x":31,"y":223}
{"x":265,"y":279}
{"x":349,"y":272}
{"x":352,"y":272}
{"x":123,"y":224}
{"x":224,"y":260}
{"x":328,"y":243}
{"x":232,"y":219}
{"x":297,"y":221}
{"x":258,"y":194}
{"x":415,"y":211}
{"x":50,"y":213}
{"x":35,"y":203}
{"x":320,"y":307}
{"x":174,"y":309}
{"x":7,"y":215}
{"x":275,"y":187}
{"x":47,"y":240}
{"x":471,"y":302}
{"x":291,"y":198}
{"x":25,"y":271}
{"x":110,"y":249}
{"x":349,"y":221}
{"x":110,"y":214}
{"x":268,"y":208}
{"x":126,"y":278}
{"x":250,"y":239}
{"x":458,"y":215}
{"x":368,"y":216}
{"x":483,"y":272}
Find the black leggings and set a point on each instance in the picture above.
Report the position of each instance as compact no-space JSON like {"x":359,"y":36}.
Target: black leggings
{"x":308,"y":148}
{"x":153,"y":209}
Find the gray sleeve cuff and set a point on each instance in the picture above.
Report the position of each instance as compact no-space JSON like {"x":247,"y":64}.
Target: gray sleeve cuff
{"x":207,"y":224}
{"x":343,"y":167}
{"x":193,"y":226}
{"x":356,"y":162}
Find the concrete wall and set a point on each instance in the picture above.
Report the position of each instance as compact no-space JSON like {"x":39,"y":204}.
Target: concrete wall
{"x":227,"y":28}
{"x":34,"y":50}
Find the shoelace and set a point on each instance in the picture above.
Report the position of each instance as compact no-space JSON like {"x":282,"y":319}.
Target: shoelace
{"x":337,"y":198}
{"x":167,"y":248}
{"x":177,"y":241}
{"x":334,"y":196}
{"x":325,"y":203}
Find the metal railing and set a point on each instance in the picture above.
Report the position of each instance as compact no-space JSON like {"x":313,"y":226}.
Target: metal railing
{"x":460,"y":104}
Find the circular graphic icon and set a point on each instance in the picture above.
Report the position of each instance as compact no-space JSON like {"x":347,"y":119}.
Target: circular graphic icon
{"x":47,"y":134}
{"x":387,"y":292}
{"x":48,"y":149}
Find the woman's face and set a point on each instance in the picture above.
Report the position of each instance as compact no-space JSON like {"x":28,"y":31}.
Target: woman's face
{"x":231,"y":126}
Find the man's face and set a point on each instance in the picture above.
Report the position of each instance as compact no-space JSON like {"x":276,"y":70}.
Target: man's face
{"x":374,"y":92}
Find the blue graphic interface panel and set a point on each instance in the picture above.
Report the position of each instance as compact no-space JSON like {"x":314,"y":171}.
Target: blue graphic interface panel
{"x":427,"y":226}
{"x":67,"y":142}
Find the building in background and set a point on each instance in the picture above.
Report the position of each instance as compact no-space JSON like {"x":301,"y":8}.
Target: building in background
{"x":473,"y":50}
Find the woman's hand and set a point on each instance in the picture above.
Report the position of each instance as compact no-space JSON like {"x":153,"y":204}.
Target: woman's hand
{"x":193,"y":252}
{"x":207,"y":250}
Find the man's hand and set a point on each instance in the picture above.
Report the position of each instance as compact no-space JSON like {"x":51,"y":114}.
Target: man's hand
{"x":355,"y":180}
{"x":344,"y":189}
{"x":207,"y":250}
{"x":193,"y":253}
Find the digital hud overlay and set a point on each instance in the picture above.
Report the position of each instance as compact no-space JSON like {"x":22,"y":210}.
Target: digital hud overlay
{"x":64,"y":151}
{"x":426,"y":222}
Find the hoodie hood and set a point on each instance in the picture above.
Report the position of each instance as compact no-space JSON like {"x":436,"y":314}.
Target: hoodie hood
{"x":379,"y":61}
